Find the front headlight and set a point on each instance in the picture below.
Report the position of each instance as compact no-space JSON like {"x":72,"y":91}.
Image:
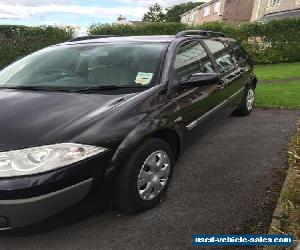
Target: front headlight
{"x":44,"y":158}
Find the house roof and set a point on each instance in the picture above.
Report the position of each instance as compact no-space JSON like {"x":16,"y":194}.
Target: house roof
{"x":281,"y":15}
{"x":137,"y":22}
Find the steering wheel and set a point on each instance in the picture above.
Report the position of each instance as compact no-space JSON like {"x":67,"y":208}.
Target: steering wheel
{"x":62,"y":72}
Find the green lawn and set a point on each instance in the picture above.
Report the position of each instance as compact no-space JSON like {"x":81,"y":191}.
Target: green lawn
{"x":277,"y":71}
{"x":278,"y":95}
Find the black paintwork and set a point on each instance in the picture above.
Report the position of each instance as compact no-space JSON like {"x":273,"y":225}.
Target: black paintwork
{"x":117,"y":120}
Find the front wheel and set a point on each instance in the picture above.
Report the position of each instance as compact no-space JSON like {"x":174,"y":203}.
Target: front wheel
{"x":246,"y":106}
{"x":144,"y":179}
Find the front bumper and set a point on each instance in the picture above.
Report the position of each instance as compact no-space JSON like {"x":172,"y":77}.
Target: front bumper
{"x":29,"y":199}
{"x":22,"y":212}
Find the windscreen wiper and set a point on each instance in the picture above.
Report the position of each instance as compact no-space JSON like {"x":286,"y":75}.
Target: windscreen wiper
{"x":97,"y":88}
{"x":106,"y":87}
{"x":36,"y":88}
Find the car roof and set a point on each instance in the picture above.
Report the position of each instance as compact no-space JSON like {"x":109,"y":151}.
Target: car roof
{"x":121,"y":39}
{"x":200,"y":34}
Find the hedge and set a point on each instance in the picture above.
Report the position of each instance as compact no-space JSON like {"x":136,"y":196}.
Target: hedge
{"x":269,"y":42}
{"x":18,"y":41}
{"x":137,"y":30}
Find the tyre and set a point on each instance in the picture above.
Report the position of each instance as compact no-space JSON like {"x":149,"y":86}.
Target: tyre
{"x":246,"y":106}
{"x":145,"y":177}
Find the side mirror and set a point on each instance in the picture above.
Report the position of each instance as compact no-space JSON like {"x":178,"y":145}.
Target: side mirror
{"x":200,"y":79}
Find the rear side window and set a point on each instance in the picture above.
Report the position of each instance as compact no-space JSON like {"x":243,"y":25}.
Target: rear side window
{"x":224,"y":60}
{"x":239,"y":54}
{"x":191,"y":58}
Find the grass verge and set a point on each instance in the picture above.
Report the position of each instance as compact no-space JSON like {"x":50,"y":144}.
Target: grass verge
{"x":277,"y":71}
{"x":286,"y":218}
{"x":278,"y":95}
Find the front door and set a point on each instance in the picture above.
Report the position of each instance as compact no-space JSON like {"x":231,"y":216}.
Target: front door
{"x":196,"y":103}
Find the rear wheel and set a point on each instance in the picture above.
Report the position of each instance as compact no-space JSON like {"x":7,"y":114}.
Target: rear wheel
{"x":145,"y":177}
{"x":247,"y":104}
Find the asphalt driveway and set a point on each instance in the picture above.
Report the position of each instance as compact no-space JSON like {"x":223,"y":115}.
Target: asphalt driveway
{"x":228,"y":182}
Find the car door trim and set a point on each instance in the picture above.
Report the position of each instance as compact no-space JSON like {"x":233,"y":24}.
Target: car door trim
{"x":212,"y":111}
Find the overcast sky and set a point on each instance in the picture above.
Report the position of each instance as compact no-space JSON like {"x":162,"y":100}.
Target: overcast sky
{"x":74,"y":12}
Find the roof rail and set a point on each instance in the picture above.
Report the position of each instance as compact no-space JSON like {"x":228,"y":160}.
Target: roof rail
{"x":82,"y":38}
{"x":206,"y":33}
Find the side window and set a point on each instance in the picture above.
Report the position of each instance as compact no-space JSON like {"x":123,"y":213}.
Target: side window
{"x":192,"y":58}
{"x":239,"y":54}
{"x":225,"y":62}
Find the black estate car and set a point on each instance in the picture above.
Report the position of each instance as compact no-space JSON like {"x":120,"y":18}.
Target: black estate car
{"x":112,"y":114}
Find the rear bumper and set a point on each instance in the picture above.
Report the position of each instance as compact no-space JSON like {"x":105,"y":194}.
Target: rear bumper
{"x":22,"y":212}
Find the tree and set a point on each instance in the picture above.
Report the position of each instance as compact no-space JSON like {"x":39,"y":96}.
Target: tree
{"x":173,"y":13}
{"x":154,"y":14}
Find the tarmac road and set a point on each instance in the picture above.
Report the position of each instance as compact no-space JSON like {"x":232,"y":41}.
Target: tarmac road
{"x":227,"y":182}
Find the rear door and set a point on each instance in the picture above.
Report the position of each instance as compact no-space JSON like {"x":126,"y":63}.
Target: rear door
{"x":244,"y":68}
{"x":233,"y":76}
{"x":195,"y":103}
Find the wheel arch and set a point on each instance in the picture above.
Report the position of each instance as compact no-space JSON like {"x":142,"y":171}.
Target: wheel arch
{"x":172,"y":136}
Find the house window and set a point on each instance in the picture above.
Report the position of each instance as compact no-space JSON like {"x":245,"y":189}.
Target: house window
{"x":217,"y":7}
{"x":191,"y":17}
{"x":274,"y":2}
{"x":206,"y":10}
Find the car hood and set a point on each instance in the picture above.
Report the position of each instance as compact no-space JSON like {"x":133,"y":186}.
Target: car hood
{"x":33,"y":118}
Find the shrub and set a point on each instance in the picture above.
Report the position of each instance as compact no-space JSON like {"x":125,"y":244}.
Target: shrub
{"x":18,"y":41}
{"x":274,"y":41}
{"x":137,"y":30}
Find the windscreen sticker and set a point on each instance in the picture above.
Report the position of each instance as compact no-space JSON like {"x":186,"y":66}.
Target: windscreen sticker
{"x":143,"y":78}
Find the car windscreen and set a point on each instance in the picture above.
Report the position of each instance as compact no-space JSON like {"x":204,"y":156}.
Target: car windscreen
{"x":87,"y":66}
